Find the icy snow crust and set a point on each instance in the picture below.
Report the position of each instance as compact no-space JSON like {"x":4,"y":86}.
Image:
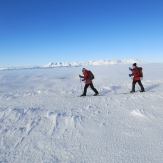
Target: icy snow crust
{"x":42,"y":119}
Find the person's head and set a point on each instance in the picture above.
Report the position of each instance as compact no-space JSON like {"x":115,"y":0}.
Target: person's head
{"x":134,"y":65}
{"x":83,"y":69}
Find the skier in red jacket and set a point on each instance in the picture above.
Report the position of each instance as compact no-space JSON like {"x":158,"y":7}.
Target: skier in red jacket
{"x":88,"y":82}
{"x":136,"y":73}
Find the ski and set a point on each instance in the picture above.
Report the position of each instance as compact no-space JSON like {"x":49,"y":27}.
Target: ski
{"x":91,"y":95}
{"x":130,"y":93}
{"x":134,"y":92}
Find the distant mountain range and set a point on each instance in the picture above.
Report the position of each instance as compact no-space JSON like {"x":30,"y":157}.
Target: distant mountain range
{"x":77,"y":64}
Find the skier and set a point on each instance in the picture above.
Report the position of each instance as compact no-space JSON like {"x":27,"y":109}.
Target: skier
{"x":136,"y":73}
{"x":88,"y":82}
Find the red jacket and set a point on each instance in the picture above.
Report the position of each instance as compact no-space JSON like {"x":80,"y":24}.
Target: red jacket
{"x":86,"y":77}
{"x":136,"y":73}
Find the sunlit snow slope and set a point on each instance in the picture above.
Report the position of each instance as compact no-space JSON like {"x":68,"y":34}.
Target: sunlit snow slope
{"x":43,"y":121}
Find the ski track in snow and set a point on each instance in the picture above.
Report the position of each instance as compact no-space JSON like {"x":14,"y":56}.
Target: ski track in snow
{"x":54,"y":125}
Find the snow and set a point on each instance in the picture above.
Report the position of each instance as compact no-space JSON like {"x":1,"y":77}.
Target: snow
{"x":91,"y":62}
{"x":42,"y":119}
{"x":77,"y":64}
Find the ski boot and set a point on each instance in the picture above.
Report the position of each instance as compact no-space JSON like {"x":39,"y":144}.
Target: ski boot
{"x":96,"y":94}
{"x":82,"y":95}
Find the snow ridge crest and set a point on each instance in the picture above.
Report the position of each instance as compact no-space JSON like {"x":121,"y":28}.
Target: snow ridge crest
{"x":77,"y":64}
{"x":91,"y":62}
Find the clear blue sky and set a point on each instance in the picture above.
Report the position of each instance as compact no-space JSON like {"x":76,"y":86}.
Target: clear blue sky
{"x":35,"y":32}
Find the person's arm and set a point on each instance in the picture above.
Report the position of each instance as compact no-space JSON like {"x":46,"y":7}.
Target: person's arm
{"x":132,"y":73}
{"x":81,"y":76}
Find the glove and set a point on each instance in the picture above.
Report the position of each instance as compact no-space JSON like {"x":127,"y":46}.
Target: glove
{"x":130,"y":68}
{"x":80,"y":76}
{"x":130,"y":75}
{"x":83,"y":79}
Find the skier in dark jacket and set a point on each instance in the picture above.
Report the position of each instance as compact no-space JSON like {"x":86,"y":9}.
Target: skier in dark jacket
{"x":136,"y":73}
{"x":88,"y":82}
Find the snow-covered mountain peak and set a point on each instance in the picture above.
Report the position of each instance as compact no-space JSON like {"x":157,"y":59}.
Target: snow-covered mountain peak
{"x":78,"y":64}
{"x":91,"y":62}
{"x":49,"y":64}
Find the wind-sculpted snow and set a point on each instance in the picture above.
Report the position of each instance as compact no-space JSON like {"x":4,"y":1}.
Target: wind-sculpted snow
{"x":77,"y":64}
{"x":42,"y":119}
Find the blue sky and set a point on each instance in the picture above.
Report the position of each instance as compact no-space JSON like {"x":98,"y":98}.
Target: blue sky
{"x":35,"y":32}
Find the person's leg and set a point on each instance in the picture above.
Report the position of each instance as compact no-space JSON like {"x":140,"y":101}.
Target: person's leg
{"x":85,"y":89}
{"x":93,"y":88}
{"x":133,"y":86}
{"x":141,"y":86}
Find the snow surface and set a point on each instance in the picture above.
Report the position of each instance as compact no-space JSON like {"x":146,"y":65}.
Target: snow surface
{"x":42,"y":120}
{"x":77,"y":64}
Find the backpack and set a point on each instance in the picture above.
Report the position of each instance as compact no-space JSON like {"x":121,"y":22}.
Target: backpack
{"x":91,"y":76}
{"x":140,"y":72}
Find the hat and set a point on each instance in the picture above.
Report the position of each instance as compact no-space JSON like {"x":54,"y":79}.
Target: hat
{"x":134,"y":64}
{"x":83,"y":69}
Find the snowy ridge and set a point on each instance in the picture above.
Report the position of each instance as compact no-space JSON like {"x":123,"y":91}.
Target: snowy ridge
{"x":91,"y":62}
{"x":77,"y":64}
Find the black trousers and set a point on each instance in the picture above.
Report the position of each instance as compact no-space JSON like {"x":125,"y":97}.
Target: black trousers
{"x":140,"y":84}
{"x":92,"y":87}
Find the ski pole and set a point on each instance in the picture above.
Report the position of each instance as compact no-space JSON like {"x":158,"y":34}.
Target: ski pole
{"x":81,"y":84}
